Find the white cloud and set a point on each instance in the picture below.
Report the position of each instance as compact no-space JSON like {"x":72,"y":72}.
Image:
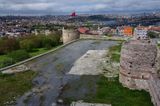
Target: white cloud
{"x":77,"y":5}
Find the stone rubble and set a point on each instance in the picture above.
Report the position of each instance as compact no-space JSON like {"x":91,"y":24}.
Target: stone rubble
{"x":17,"y":69}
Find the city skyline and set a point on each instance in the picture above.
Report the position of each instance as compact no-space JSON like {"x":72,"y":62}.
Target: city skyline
{"x":51,"y":7}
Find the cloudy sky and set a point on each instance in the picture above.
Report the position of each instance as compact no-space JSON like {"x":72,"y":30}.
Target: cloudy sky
{"x":81,"y":6}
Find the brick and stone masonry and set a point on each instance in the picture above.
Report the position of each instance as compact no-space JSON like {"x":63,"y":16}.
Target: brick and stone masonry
{"x":69,"y":35}
{"x":138,"y":67}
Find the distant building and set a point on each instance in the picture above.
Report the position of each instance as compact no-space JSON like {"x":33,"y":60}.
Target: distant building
{"x":73,"y":14}
{"x":47,"y":32}
{"x":104,"y":30}
{"x":125,"y":31}
{"x":154,"y":29}
{"x":83,"y":30}
{"x":120,"y":31}
{"x":140,"y":32}
{"x":2,"y":34}
{"x":113,"y":31}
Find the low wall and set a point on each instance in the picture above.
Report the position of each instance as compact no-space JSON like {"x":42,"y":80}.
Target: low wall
{"x":89,"y":36}
{"x":20,"y":66}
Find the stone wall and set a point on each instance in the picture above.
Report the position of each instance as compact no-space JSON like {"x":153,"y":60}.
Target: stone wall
{"x":137,"y":63}
{"x":154,"y":89}
{"x":139,"y":67}
{"x":70,"y":35}
{"x":89,"y":36}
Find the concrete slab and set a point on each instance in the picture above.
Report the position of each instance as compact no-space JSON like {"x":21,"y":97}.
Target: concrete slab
{"x":88,"y":104}
{"x":89,"y":63}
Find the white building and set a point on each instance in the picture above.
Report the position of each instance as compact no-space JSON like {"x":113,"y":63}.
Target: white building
{"x":120,"y":31}
{"x":140,"y":32}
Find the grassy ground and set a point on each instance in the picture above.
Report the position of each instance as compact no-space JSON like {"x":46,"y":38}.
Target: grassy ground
{"x":159,"y":45}
{"x":5,"y":60}
{"x":112,"y":92}
{"x":108,"y":92}
{"x":3,"y":57}
{"x":38,"y":51}
{"x":12,"y":86}
{"x":114,"y":53}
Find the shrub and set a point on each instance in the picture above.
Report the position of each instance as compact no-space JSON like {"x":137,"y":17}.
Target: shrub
{"x":8,"y":45}
{"x":152,"y":34}
{"x":27,"y":45}
{"x":6,"y":62}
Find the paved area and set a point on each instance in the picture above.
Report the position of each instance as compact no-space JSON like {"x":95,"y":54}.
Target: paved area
{"x":52,"y":74}
{"x":89,"y":63}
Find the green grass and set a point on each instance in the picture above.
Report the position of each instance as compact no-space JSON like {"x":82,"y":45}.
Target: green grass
{"x":159,"y":45}
{"x":13,"y":86}
{"x":115,"y":57}
{"x":6,"y":61}
{"x":116,"y":48}
{"x":3,"y":57}
{"x":114,"y":53}
{"x":112,"y":92}
{"x":38,"y":51}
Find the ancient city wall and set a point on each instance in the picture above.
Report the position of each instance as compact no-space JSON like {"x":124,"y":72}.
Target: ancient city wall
{"x":89,"y":36}
{"x":154,"y":89}
{"x":70,"y":35}
{"x":139,"y":65}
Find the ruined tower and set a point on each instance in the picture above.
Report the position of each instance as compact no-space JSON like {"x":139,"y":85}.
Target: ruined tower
{"x":137,"y":63}
{"x":69,"y":35}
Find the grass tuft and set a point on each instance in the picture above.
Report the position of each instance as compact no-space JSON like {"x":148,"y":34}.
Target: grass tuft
{"x":15,"y":85}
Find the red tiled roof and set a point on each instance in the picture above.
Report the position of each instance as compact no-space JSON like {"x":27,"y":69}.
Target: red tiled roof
{"x":83,"y":30}
{"x":155,"y":29}
{"x":142,"y":28}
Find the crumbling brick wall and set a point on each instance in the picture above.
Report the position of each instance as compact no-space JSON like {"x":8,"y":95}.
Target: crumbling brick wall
{"x":154,"y":89}
{"x":137,"y":63}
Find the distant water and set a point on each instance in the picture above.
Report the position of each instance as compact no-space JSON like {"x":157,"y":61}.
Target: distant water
{"x":158,"y":23}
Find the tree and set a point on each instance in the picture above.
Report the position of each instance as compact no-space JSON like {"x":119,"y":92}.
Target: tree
{"x":27,"y":45}
{"x":8,"y":45}
{"x":152,"y":34}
